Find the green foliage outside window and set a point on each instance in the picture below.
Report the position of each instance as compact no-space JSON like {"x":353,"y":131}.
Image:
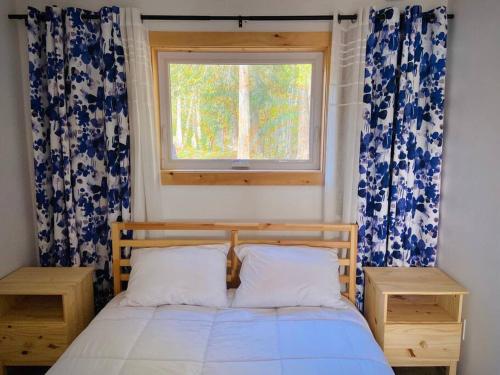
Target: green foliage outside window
{"x":258,"y":112}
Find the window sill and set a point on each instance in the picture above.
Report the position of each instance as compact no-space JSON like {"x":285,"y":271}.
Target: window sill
{"x":174,"y":177}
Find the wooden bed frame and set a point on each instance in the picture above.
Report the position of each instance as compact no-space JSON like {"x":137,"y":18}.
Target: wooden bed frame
{"x":347,"y":263}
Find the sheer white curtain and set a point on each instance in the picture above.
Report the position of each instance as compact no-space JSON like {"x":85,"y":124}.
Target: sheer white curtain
{"x":345,"y":118}
{"x":146,"y":195}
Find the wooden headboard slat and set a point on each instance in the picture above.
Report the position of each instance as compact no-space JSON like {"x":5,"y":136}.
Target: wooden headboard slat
{"x":169,"y":242}
{"x":234,"y":226}
{"x":126,"y":262}
{"x":348,"y":263}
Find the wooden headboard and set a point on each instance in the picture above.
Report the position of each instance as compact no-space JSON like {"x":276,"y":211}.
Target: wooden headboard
{"x":233,"y":231}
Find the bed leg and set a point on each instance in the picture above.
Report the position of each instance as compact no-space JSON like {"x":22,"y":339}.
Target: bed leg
{"x":452,"y":369}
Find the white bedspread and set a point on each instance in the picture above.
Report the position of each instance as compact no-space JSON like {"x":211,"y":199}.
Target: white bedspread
{"x":188,"y":340}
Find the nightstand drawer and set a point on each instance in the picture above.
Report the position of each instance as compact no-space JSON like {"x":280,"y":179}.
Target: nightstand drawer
{"x":406,"y":343}
{"x":28,"y":342}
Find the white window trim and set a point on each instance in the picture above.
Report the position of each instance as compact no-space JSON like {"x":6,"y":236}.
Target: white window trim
{"x":313,"y":58}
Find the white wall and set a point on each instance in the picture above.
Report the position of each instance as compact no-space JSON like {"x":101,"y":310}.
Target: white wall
{"x":469,"y":246}
{"x":236,"y":7}
{"x":16,"y":220}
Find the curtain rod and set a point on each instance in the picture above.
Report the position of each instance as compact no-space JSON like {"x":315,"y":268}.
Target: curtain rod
{"x":240,"y":19}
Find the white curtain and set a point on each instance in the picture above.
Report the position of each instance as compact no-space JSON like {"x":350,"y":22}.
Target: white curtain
{"x":345,"y":119}
{"x":146,"y":188}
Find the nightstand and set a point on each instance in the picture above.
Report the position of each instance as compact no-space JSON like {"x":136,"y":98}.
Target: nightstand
{"x":42,"y":309}
{"x":415,"y":315}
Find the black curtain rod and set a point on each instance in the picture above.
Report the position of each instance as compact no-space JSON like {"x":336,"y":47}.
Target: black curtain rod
{"x":240,"y":19}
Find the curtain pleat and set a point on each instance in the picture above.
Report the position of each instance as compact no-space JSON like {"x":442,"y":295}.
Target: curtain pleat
{"x":376,"y":140}
{"x":146,"y":188}
{"x":401,"y":141}
{"x":418,"y":142}
{"x":80,"y":137}
{"x":344,"y":119}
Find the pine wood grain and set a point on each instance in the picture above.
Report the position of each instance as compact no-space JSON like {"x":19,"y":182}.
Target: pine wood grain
{"x":414,"y":280}
{"x":241,"y":41}
{"x":415,"y":315}
{"x":171,"y":177}
{"x":41,"y":312}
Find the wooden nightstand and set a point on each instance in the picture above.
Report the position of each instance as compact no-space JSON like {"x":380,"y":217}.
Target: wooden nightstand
{"x":415,"y":315}
{"x":41,"y":311}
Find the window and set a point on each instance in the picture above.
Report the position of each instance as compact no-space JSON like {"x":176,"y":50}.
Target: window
{"x":240,"y":114}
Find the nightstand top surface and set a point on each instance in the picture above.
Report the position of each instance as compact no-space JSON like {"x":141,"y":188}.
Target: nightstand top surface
{"x":36,"y":279}
{"x":413,"y":280}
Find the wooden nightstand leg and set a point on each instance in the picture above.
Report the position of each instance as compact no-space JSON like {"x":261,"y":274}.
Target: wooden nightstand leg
{"x":3,"y":371}
{"x":452,"y":369}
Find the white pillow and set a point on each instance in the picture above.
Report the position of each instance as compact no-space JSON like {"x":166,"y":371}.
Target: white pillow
{"x":191,"y":275}
{"x":280,"y":276}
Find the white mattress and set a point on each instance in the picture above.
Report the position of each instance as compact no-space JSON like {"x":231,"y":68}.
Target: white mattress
{"x":189,"y":340}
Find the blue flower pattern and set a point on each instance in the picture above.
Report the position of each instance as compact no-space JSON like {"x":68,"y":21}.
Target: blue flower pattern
{"x":402,"y":138}
{"x":80,"y":137}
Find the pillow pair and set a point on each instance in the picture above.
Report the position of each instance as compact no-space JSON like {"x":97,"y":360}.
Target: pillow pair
{"x":271,"y":276}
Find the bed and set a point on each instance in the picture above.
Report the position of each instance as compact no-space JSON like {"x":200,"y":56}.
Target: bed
{"x":188,"y":340}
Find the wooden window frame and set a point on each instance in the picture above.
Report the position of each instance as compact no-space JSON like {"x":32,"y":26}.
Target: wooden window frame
{"x":163,"y":41}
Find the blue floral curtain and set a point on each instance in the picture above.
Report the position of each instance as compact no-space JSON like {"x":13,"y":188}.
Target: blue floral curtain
{"x":80,"y":137}
{"x":401,"y":142}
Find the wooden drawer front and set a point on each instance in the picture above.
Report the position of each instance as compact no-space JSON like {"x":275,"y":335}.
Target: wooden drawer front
{"x":414,"y":343}
{"x":28,"y":342}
